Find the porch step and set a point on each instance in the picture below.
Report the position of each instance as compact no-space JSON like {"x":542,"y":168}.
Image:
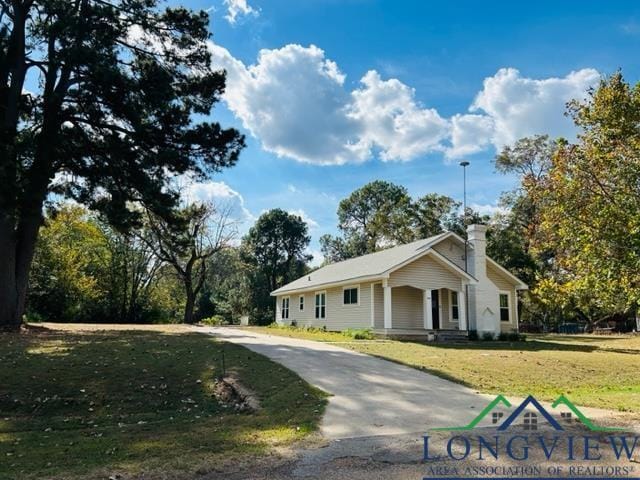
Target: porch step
{"x":451,"y":336}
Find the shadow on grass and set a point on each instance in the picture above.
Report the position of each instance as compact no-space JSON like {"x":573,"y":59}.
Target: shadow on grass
{"x":72,"y":403}
{"x":531,"y":345}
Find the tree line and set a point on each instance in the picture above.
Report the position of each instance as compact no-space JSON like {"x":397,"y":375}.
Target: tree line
{"x":106,"y":103}
{"x":569,"y":229}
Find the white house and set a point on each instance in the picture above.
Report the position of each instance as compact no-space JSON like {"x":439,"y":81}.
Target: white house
{"x":413,"y":289}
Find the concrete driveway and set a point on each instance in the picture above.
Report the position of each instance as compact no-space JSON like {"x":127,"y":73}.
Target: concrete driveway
{"x":370,"y":396}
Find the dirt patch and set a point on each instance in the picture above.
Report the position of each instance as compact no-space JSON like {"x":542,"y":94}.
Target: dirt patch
{"x":231,"y":393}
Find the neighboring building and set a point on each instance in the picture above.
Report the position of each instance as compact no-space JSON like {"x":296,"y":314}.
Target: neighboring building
{"x":411,"y":289}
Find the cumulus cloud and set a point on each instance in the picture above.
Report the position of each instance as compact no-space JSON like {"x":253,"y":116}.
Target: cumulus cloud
{"x":311,"y":223}
{"x":470,"y":134}
{"x":317,"y":259}
{"x":488,"y":209}
{"x":521,"y":106}
{"x":237,"y":9}
{"x":294,"y":100}
{"x":390,"y":118}
{"x":217,"y":192}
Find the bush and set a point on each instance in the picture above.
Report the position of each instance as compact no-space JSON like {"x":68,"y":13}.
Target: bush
{"x":214,"y":321}
{"x":359,"y":334}
{"x":488,"y":336}
{"x":511,"y":337}
{"x":473,"y":335}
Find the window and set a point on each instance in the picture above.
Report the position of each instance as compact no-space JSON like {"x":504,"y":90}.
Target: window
{"x":301,"y":303}
{"x":505,"y":314}
{"x":455,"y":309}
{"x":350,"y":296}
{"x":530,"y":421}
{"x":566,"y":416}
{"x":496,"y":416}
{"x":321,"y":305}
{"x":284,"y":311}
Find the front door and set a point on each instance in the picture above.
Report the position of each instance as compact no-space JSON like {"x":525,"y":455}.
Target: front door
{"x":435,"y":308}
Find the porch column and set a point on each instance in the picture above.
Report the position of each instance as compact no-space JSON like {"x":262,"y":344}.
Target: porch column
{"x":462,"y":310}
{"x":373,"y":306}
{"x":387,"y":306}
{"x":427,"y":315}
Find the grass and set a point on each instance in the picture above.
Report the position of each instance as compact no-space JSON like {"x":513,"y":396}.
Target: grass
{"x":95,"y":404}
{"x":317,"y":334}
{"x":594,"y":371}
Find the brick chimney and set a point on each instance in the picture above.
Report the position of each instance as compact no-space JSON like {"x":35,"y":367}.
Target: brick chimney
{"x":477,"y":254}
{"x":483,"y":296}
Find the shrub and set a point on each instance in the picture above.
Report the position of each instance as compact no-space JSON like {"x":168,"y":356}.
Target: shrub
{"x":473,"y":335}
{"x":214,"y":320}
{"x":359,"y":334}
{"x":517,"y":337}
{"x":511,"y":337}
{"x":488,"y":336}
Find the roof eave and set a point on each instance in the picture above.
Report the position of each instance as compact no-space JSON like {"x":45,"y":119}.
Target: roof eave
{"x":323,"y":286}
{"x":519,"y":284}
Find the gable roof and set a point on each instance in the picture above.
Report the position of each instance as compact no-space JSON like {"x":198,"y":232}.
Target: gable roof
{"x":372,"y":265}
{"x":520,"y":285}
{"x":529,"y":401}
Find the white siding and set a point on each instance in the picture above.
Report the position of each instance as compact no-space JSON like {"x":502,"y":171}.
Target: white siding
{"x":406,"y":307}
{"x":451,"y":249}
{"x":425,"y":273}
{"x":503,"y":283}
{"x":338,"y":316}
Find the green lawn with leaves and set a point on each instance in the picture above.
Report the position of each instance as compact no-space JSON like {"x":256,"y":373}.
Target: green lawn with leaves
{"x":592,"y":370}
{"x":97,"y":404}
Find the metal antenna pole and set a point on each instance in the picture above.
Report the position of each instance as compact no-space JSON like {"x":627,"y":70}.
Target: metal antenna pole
{"x":464,"y":166}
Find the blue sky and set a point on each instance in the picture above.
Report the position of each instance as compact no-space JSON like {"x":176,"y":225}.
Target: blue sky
{"x":333,"y":94}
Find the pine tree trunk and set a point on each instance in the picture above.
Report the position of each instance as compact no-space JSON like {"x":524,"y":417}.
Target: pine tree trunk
{"x":14,"y":274}
{"x":17,"y":245}
{"x":10,"y":314}
{"x":189,"y":306}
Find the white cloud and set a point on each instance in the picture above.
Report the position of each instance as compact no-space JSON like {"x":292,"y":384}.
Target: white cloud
{"x":294,"y":100}
{"x":519,"y":106}
{"x":305,"y":217}
{"x":488,"y":209}
{"x":391,"y":119}
{"x":237,"y":9}
{"x":217,"y":192}
{"x":470,"y":134}
{"x":317,"y":259}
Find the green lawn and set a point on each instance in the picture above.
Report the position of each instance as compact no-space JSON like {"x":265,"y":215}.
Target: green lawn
{"x":595,"y":371}
{"x":96,"y":404}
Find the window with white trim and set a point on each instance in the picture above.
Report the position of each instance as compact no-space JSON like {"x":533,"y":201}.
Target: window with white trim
{"x":505,"y":313}
{"x":301,"y":303}
{"x":350,"y":296}
{"x":455,"y":307}
{"x":321,"y":305}
{"x":284,"y":311}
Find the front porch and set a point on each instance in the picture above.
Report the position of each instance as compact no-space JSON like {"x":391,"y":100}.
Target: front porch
{"x":409,"y":311}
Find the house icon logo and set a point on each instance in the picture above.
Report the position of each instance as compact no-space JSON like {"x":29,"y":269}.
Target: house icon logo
{"x":528,"y":414}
